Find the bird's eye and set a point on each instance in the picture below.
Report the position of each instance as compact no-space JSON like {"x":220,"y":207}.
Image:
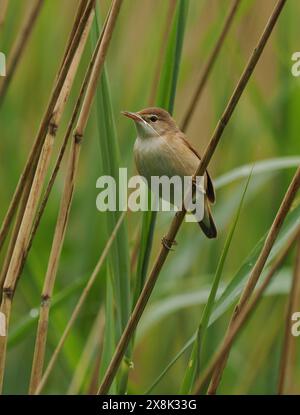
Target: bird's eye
{"x":153,"y":118}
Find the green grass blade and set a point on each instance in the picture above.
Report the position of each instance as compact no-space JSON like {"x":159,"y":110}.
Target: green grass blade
{"x":168,"y":82}
{"x":119,"y":253}
{"x":110,"y":159}
{"x":263,"y":166}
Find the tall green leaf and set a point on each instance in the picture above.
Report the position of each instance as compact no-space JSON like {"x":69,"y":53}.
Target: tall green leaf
{"x":118,"y":260}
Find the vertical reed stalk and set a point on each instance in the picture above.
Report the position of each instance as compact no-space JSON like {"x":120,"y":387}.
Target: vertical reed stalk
{"x":31,"y":163}
{"x":61,"y":153}
{"x":35,"y":192}
{"x":79,"y":305}
{"x":19,"y":45}
{"x":179,"y":217}
{"x":245,"y":314}
{"x":48,"y":145}
{"x":80,"y":12}
{"x":62,"y":150}
{"x":286,"y":363}
{"x":63,"y":215}
{"x":14,"y":236}
{"x":258,"y":268}
{"x":209,"y":65}
{"x":57,"y":115}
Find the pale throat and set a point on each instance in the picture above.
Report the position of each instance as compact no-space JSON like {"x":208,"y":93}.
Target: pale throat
{"x":145,"y":131}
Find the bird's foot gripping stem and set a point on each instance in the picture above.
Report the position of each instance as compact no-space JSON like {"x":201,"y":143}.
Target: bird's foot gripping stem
{"x":168,"y":244}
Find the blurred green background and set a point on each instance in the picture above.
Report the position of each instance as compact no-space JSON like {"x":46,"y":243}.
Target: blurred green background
{"x":265,"y":125}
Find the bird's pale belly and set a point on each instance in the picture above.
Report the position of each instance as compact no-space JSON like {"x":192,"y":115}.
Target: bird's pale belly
{"x":159,"y":157}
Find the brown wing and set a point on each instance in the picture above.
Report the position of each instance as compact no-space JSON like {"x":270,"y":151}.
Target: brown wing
{"x":210,"y":191}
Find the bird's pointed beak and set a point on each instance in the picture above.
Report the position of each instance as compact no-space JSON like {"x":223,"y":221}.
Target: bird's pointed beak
{"x":133,"y":115}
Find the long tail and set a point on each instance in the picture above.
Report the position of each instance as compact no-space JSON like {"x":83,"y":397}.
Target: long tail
{"x":207,"y":224}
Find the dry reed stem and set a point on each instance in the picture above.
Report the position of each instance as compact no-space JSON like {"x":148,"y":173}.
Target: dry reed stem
{"x":62,"y":149}
{"x":209,"y":65}
{"x":90,"y":93}
{"x":19,"y":46}
{"x":245,"y":314}
{"x":289,"y":341}
{"x":13,"y":238}
{"x":10,"y":280}
{"x":259,"y":266}
{"x":80,"y":11}
{"x":57,"y":114}
{"x":31,"y":163}
{"x":151,"y":102}
{"x":179,"y":217}
{"x":3,"y":11}
{"x":35,"y":192}
{"x":93,"y":342}
{"x":40,"y":345}
{"x":79,"y":304}
{"x":42,"y":167}
{"x":66,"y":200}
{"x":36,"y":374}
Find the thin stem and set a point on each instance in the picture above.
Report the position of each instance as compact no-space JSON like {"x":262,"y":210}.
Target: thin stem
{"x":91,"y":89}
{"x":66,"y":200}
{"x":209,"y":65}
{"x":57,"y":114}
{"x":61,"y":152}
{"x":19,"y":46}
{"x":179,"y":217}
{"x":93,"y":385}
{"x":40,"y":345}
{"x":36,"y":189}
{"x":79,"y":304}
{"x":14,"y":236}
{"x":259,"y":266}
{"x":80,"y":12}
{"x":286,"y":366}
{"x":93,"y":342}
{"x":245,"y":314}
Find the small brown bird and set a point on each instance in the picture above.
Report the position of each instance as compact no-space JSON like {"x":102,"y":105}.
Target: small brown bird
{"x":162,"y":149}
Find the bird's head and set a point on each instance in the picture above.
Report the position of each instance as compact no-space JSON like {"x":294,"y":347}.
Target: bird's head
{"x":152,"y":122}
